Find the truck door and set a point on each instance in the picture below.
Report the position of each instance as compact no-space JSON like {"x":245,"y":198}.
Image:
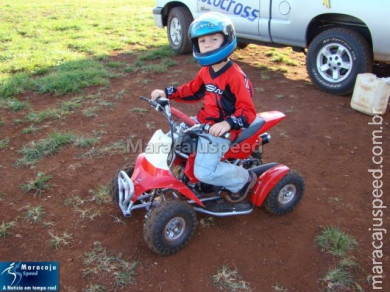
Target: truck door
{"x":282,"y":29}
{"x":244,"y":14}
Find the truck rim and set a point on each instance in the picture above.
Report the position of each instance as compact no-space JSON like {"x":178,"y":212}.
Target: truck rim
{"x":175,"y":31}
{"x":334,"y":62}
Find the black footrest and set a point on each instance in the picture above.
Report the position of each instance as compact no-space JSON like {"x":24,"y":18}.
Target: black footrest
{"x":222,"y":205}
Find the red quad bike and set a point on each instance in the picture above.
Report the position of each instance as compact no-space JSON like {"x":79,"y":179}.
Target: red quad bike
{"x":163,"y":182}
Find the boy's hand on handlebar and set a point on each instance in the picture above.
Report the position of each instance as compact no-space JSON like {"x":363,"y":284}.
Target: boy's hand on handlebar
{"x":219,"y":129}
{"x":156,"y":94}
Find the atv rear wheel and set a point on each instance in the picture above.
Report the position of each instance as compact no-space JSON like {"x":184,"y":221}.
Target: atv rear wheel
{"x":169,"y":227}
{"x":113,"y":187}
{"x":286,"y":194}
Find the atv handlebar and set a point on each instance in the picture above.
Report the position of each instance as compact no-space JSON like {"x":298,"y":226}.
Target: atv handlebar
{"x":162,"y":102}
{"x":154,"y":104}
{"x":225,"y":135}
{"x":200,"y":129}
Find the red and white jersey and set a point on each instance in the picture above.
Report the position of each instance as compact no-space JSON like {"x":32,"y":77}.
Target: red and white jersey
{"x":226,"y":96}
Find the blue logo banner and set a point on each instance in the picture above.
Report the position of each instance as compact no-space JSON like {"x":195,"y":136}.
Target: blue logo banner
{"x":29,"y":276}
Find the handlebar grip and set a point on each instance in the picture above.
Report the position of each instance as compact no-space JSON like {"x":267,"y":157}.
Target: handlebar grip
{"x":151,"y":102}
{"x":144,"y":98}
{"x":226,"y":135}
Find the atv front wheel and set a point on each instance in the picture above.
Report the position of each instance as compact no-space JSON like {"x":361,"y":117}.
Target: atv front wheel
{"x":113,"y":187}
{"x":286,"y":194}
{"x":169,"y":227}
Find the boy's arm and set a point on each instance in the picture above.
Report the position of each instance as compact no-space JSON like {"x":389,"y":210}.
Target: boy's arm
{"x":245,"y":110}
{"x":192,"y":91}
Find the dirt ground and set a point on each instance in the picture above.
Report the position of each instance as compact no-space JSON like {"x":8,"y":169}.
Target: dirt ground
{"x":322,"y":138}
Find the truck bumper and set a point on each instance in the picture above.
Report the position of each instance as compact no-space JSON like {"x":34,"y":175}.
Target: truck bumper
{"x":158,"y":17}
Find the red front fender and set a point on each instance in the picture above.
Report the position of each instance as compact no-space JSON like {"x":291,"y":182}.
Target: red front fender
{"x":266,"y":182}
{"x":147,"y":177}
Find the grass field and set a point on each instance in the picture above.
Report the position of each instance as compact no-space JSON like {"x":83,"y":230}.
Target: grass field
{"x":61,"y":46}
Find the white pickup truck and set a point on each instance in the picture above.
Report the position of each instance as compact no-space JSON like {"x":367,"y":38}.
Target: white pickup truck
{"x":341,"y":38}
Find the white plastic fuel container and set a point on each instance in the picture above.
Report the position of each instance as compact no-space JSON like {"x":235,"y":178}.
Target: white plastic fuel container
{"x":370,"y":94}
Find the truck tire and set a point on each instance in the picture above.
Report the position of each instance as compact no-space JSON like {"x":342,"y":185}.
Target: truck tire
{"x":335,"y":57}
{"x":169,"y":227}
{"x":286,"y":194}
{"x":179,"y":20}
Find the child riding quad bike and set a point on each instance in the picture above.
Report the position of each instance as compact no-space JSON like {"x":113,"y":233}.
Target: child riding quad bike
{"x":162,"y":180}
{"x":210,"y":163}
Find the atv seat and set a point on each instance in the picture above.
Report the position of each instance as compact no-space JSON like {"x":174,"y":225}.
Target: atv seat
{"x":251,"y":130}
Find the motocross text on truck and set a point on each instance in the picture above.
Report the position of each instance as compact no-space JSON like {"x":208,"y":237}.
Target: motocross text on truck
{"x":235,"y":7}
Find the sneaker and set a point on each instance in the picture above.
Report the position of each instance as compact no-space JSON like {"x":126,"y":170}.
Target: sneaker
{"x":243,"y":193}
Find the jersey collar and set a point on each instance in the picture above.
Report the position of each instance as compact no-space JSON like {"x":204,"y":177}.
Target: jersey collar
{"x":214,"y":74}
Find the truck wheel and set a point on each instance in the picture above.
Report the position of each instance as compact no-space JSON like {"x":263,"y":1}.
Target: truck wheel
{"x":179,"y":21}
{"x":169,"y":226}
{"x":334,"y":59}
{"x":113,"y":187}
{"x":286,"y":194}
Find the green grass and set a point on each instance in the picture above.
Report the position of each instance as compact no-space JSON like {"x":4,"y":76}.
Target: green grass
{"x":60,"y":112}
{"x":278,"y":56}
{"x":279,"y":288}
{"x":31,"y":129}
{"x":87,"y":208}
{"x":72,"y":76}
{"x":87,"y":213}
{"x":55,"y":46}
{"x":101,"y":194}
{"x":335,"y":241}
{"x":114,"y":148}
{"x":91,"y":112}
{"x":228,"y":279}
{"x":58,"y":241}
{"x":72,"y":105}
{"x":46,"y":114}
{"x":39,"y":184}
{"x":5,"y":227}
{"x":85,"y":142}
{"x":73,"y":202}
{"x":95,"y":288}
{"x":77,"y":204}
{"x":44,"y":147}
{"x":55,"y":142}
{"x":159,"y":68}
{"x":139,"y":110}
{"x":34,"y":214}
{"x":13,"y":104}
{"x":99,"y":263}
{"x":4,"y":143}
{"x":340,"y":277}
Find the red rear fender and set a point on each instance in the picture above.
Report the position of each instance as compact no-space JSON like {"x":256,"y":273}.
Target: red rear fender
{"x":266,"y":182}
{"x":243,"y":149}
{"x":271,"y":118}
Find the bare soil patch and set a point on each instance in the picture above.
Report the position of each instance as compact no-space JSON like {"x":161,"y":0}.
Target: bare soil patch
{"x":322,"y":138}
